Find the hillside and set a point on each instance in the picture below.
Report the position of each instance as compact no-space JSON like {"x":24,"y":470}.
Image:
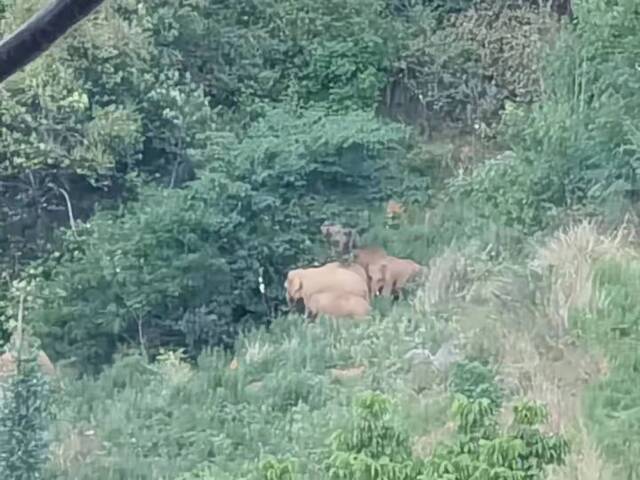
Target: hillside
{"x":288,"y":389}
{"x":167,"y":163}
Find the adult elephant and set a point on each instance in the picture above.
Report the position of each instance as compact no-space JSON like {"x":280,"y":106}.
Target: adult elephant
{"x":303,"y":283}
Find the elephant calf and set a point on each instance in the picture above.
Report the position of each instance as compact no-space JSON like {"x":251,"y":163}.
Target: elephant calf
{"x":390,"y":275}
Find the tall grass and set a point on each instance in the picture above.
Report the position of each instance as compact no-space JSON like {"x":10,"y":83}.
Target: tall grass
{"x":613,"y":325}
{"x":592,"y":277}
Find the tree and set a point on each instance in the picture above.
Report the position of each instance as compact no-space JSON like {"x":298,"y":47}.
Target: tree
{"x":24,"y":410}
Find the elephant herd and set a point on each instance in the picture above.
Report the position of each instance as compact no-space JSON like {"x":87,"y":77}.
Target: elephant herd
{"x":345,"y":289}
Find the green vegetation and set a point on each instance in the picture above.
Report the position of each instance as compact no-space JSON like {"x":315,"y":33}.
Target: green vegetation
{"x":612,"y":325}
{"x":24,"y":417}
{"x":168,"y":162}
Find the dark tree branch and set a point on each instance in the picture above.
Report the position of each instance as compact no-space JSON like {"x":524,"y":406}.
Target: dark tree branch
{"x":40,"y":32}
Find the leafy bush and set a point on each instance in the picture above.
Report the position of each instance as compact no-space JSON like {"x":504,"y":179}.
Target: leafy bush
{"x":273,"y":469}
{"x":480,"y":450}
{"x":475,"y":381}
{"x":372,"y":447}
{"x":510,"y":192}
{"x":24,"y":418}
{"x":577,"y":145}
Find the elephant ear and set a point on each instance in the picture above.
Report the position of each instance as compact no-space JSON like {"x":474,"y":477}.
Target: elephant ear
{"x":296,"y":285}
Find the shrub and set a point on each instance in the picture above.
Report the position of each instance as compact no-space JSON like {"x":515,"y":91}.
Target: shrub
{"x":475,"y":381}
{"x":372,"y":447}
{"x":24,"y":417}
{"x":577,"y":145}
{"x":481,"y":451}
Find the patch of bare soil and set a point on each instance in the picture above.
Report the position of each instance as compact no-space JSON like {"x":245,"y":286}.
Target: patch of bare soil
{"x":346,"y":374}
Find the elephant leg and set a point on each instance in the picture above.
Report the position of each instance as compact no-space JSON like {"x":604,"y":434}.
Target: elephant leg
{"x":387,"y":289}
{"x":310,"y":316}
{"x":395,"y":292}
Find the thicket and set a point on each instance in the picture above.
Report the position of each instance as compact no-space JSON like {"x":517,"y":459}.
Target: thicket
{"x":576,"y":148}
{"x":182,"y":267}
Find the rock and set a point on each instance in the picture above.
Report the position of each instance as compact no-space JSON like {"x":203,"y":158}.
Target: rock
{"x":426,"y":369}
{"x":254,"y":387}
{"x":446,"y":356}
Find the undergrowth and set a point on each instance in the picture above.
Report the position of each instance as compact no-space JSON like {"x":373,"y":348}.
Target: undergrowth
{"x":613,"y":326}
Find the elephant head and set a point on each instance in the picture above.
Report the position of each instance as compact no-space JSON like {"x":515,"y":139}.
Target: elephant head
{"x":293,"y":285}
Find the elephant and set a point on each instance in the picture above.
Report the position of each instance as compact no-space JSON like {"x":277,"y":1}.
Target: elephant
{"x":301,"y":283}
{"x":359,"y":269}
{"x":369,"y":255}
{"x":390,"y":275}
{"x":336,"y":304}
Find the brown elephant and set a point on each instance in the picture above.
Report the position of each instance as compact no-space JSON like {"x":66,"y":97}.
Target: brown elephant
{"x":301,"y":283}
{"x":359,"y":269}
{"x":390,"y":275}
{"x":369,"y":255}
{"x":336,"y":304}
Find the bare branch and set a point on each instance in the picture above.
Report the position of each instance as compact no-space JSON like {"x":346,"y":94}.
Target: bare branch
{"x":69,"y":206}
{"x":40,"y":32}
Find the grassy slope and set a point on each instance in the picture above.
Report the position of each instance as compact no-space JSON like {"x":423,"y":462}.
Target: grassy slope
{"x":612,"y":325}
{"x":289,"y":388}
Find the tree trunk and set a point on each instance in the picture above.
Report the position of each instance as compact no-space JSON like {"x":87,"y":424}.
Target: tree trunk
{"x":40,"y":32}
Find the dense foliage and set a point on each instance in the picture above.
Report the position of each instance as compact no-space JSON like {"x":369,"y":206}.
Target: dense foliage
{"x":24,"y":417}
{"x":187,"y":273}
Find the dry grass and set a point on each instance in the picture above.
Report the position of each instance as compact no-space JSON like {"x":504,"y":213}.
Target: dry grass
{"x":448,"y":277}
{"x":74,"y":446}
{"x":423,"y":446}
{"x":557,"y":380}
{"x":585,"y":461}
{"x":346,"y":374}
{"x":504,"y":321}
{"x":566,"y":261}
